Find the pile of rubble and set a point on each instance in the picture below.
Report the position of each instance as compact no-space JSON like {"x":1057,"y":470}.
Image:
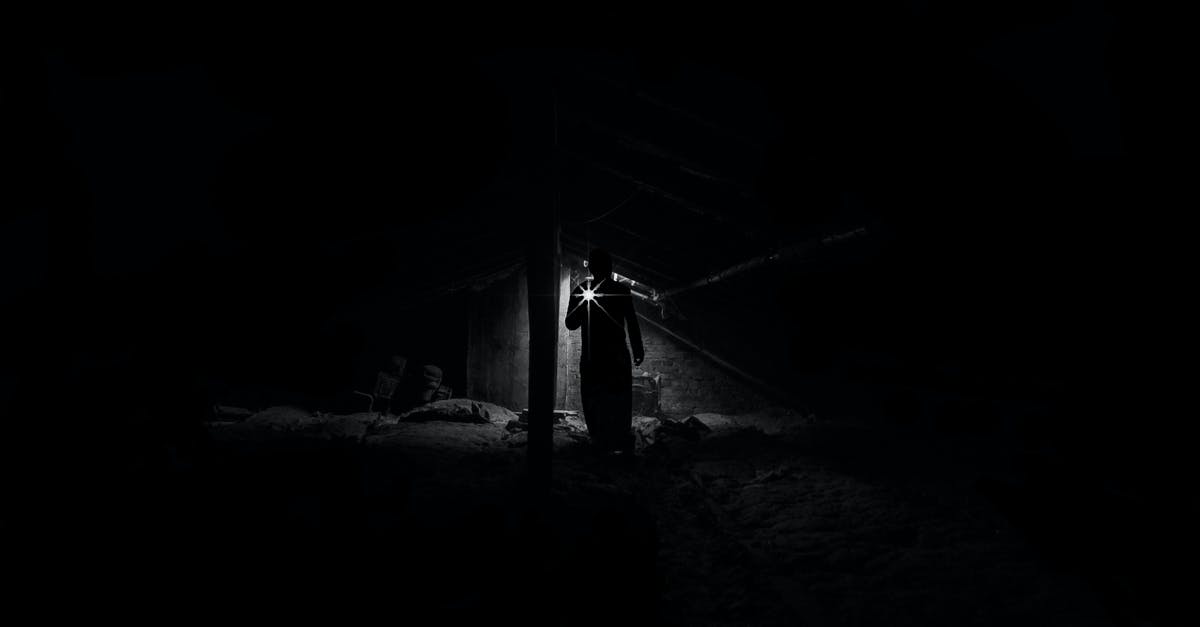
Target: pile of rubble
{"x":459,"y":410}
{"x":650,"y":432}
{"x":294,"y":421}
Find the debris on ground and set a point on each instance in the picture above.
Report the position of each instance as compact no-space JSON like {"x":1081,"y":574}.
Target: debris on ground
{"x":751,"y":523}
{"x":459,"y":410}
{"x":564,"y":420}
{"x":229,"y":413}
{"x":650,"y":430}
{"x":560,"y":415}
{"x":283,"y":418}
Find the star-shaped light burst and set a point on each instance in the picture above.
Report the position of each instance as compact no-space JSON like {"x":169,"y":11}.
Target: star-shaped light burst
{"x":591,"y":296}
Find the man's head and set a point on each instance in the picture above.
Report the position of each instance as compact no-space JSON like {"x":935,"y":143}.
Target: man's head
{"x":600,"y":264}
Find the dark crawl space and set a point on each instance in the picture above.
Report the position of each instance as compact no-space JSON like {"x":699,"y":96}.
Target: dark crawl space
{"x":840,"y":316}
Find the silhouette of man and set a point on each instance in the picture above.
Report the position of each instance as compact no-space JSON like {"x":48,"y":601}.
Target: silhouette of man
{"x":604,"y":309}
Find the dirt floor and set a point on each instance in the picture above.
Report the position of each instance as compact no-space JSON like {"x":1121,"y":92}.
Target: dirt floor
{"x":748,"y":520}
{"x":718,"y":520}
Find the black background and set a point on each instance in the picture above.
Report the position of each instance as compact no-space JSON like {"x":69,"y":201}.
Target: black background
{"x":192,"y":206}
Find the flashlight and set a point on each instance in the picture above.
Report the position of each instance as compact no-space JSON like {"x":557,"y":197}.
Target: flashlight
{"x":588,"y":295}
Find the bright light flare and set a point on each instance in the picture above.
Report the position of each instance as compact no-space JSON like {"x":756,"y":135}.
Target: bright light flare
{"x":590,"y":295}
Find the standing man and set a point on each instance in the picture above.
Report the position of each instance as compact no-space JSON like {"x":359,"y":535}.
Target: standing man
{"x":604,"y":309}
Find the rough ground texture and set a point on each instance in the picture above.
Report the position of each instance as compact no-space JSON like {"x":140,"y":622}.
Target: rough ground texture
{"x":785,"y":536}
{"x":719,"y":520}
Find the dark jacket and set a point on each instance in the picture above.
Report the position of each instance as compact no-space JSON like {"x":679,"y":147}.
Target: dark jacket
{"x":605,"y":321}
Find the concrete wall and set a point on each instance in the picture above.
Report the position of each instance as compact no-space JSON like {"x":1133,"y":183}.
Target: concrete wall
{"x":498,"y":343}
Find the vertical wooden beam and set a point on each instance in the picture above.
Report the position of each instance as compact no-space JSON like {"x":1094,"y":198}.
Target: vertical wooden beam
{"x":543,"y":282}
{"x":543,"y":277}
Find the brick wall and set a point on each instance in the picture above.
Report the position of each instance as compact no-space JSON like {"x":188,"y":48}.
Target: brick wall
{"x":498,"y":359}
{"x":691,"y":383}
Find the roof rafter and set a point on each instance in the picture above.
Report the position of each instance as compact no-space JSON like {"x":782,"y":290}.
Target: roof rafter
{"x":701,"y":210}
{"x":683,"y":164}
{"x":648,"y":98}
{"x":580,"y":246}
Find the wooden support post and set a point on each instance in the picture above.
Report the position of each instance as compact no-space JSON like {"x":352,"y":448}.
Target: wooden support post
{"x":543,"y":276}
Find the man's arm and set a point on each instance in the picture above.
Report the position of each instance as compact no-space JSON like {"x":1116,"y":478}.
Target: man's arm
{"x":635,"y":334}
